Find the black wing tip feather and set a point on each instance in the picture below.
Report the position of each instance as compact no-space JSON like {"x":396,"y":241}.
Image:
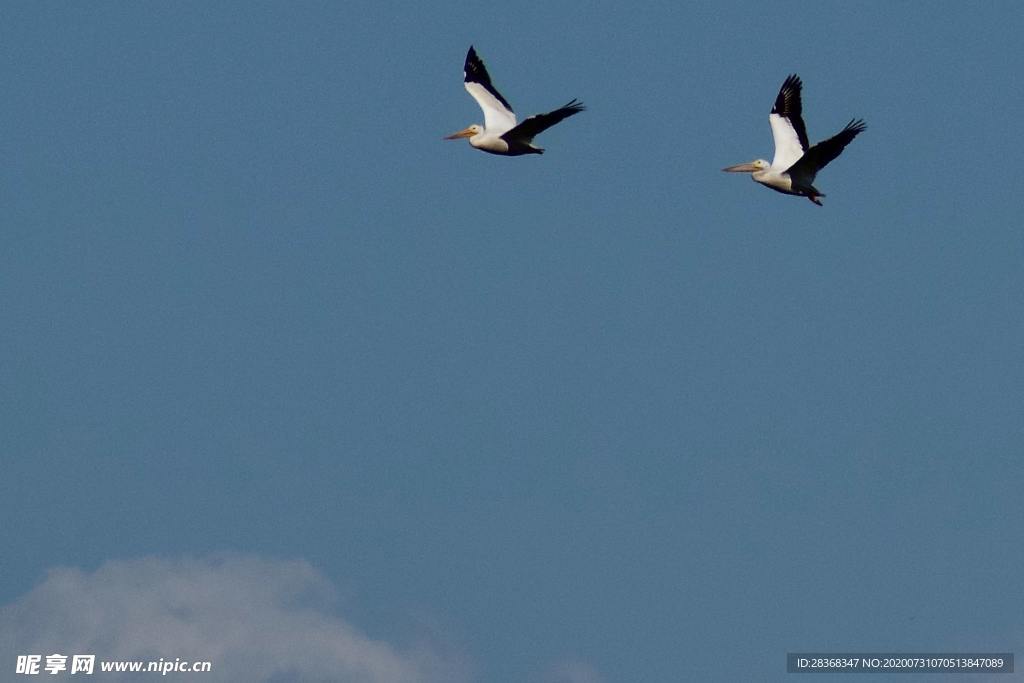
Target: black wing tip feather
{"x":851,"y":130}
{"x":792,"y":83}
{"x":574,"y":106}
{"x":788,"y":100}
{"x":855,"y":126}
{"x":474,"y":69}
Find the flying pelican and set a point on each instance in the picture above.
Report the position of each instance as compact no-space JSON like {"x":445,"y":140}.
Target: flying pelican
{"x":793,"y":169}
{"x":500,"y":134}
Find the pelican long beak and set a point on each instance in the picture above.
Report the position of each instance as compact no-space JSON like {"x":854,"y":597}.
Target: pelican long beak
{"x":464,"y":133}
{"x":741,"y":168}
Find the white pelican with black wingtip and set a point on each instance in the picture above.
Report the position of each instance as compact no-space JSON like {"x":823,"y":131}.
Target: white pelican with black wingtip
{"x":500,"y":134}
{"x":794,"y":166}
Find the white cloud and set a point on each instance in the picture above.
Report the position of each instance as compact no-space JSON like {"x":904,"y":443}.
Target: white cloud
{"x":255,"y":619}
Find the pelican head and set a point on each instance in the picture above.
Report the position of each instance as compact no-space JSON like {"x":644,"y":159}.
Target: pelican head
{"x":469,"y":132}
{"x":749,"y":167}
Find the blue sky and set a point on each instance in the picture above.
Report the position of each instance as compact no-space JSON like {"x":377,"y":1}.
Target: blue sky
{"x":603,"y":415}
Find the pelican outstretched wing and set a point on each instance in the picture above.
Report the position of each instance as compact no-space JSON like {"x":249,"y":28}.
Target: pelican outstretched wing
{"x":498,"y":114}
{"x":538,"y":123}
{"x":821,"y":154}
{"x":788,"y":125}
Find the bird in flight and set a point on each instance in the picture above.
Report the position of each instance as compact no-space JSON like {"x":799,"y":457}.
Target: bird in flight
{"x":795,"y":164}
{"x":500,"y":133}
